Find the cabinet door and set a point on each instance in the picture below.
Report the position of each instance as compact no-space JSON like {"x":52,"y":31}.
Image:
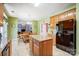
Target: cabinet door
{"x":53,"y":21}
{"x":47,"y":48}
{"x":1,"y":14}
{"x":31,"y":44}
{"x":62,"y":16}
{"x":36,"y":50}
{"x":71,"y":14}
{"x":0,"y":52}
{"x":44,"y":49}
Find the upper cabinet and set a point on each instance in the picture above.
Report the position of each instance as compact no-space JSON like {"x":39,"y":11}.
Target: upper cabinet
{"x":67,"y":15}
{"x":53,"y":21}
{"x":62,"y":16}
{"x":71,"y":14}
{"x":1,"y":14}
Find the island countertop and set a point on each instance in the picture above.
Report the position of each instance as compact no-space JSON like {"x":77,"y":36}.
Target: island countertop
{"x":41,"y":45}
{"x":41,"y":37}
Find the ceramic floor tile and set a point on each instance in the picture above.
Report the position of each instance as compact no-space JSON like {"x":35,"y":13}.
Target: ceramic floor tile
{"x":22,"y":49}
{"x":58,"y":52}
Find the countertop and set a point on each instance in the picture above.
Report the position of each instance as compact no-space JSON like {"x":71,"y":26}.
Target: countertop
{"x":41,"y":37}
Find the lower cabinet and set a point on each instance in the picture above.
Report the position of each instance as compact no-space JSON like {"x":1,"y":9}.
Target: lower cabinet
{"x":31,"y":45}
{"x":47,"y":48}
{"x":36,"y":50}
{"x":0,"y":53}
{"x":42,"y":48}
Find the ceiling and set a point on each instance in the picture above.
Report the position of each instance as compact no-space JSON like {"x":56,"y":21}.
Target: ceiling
{"x":28,"y":11}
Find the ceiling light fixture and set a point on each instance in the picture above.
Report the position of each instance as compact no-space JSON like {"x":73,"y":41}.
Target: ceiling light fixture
{"x":36,"y":4}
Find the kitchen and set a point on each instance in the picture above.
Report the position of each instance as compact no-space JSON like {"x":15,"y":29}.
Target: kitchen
{"x":39,"y":37}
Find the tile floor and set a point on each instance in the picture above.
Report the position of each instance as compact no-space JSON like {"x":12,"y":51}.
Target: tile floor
{"x":22,"y":49}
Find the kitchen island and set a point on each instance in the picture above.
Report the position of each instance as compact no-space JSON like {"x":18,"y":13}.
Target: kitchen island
{"x":41,"y":45}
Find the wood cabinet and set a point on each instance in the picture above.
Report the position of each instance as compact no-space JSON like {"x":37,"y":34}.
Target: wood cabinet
{"x":36,"y":48}
{"x":1,"y":14}
{"x":31,"y":45}
{"x":70,"y":14}
{"x":41,"y":48}
{"x":47,"y":47}
{"x":67,"y":15}
{"x":0,"y":52}
{"x":53,"y":21}
{"x":62,"y":16}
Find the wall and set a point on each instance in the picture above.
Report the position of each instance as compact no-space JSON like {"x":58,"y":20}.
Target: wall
{"x":12,"y":27}
{"x":35,"y":27}
{"x":12,"y":33}
{"x":77,"y":28}
{"x":42,"y":21}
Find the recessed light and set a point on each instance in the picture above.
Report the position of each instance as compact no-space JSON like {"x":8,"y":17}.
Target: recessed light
{"x":36,"y":4}
{"x":12,"y":11}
